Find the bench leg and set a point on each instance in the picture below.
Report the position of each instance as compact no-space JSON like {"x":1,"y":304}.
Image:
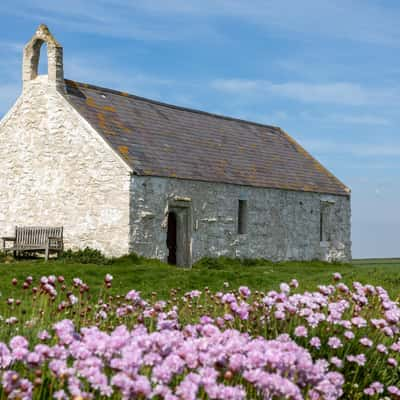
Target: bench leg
{"x":46,"y":253}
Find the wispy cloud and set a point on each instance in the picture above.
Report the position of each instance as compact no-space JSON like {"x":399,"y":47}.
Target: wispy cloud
{"x":355,"y":149}
{"x":360,"y":21}
{"x":371,"y":119}
{"x":123,"y":19}
{"x":343,"y":93}
{"x":358,"y":119}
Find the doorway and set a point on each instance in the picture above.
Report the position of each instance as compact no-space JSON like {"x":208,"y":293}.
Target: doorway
{"x":172,"y":238}
{"x":179,"y":233}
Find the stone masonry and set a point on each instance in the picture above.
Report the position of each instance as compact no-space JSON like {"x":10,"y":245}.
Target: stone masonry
{"x":282,"y":224}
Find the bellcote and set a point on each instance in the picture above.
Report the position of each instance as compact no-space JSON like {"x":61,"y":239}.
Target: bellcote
{"x":54,"y":56}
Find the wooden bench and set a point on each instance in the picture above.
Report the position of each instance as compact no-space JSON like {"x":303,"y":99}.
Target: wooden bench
{"x":35,"y":238}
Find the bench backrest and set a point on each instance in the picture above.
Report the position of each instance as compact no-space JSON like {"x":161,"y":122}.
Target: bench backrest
{"x":36,"y":235}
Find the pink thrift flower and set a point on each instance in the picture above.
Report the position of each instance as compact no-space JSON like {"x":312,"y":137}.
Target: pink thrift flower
{"x":334,"y":342}
{"x":366,"y":342}
{"x":369,"y":391}
{"x":337,"y":362}
{"x":5,"y":356}
{"x":315,"y":342}
{"x":349,"y":335}
{"x":394,"y":390}
{"x":359,"y":322}
{"x":285,"y":288}
{"x":392,"y":362}
{"x":337,"y":276}
{"x":294,"y":283}
{"x":244,"y":291}
{"x":360,"y":359}
{"x":43,"y":335}
{"x":279,"y":315}
{"x":301,"y":331}
{"x":133,"y":295}
{"x":382,"y":348}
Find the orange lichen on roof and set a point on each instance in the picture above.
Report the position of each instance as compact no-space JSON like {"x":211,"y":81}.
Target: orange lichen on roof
{"x":109,"y":108}
{"x":120,"y":125}
{"x":102,"y":120}
{"x":90,"y":102}
{"x":124,"y":150}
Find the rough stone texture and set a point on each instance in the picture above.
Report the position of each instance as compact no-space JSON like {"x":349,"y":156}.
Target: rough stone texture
{"x":54,"y":56}
{"x":282,"y":224}
{"x":55,"y":171}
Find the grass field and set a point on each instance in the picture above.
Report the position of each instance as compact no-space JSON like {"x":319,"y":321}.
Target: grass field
{"x":149,"y":276}
{"x":61,"y":339}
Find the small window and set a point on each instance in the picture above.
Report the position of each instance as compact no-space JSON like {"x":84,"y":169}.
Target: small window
{"x":321,"y":225}
{"x":242,"y":217}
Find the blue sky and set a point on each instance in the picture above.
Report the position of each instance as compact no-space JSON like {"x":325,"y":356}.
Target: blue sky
{"x":326,"y":71}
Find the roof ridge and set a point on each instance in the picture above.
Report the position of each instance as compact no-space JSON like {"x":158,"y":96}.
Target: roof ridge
{"x":125,"y":94}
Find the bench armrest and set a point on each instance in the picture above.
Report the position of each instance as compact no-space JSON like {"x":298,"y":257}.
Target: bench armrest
{"x":5,"y":240}
{"x":55,"y":239}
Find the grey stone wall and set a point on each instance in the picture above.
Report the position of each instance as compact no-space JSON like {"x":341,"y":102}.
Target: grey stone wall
{"x":55,"y":170}
{"x":281,"y":224}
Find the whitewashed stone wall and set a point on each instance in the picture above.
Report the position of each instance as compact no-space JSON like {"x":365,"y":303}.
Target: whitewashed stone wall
{"x":282,"y":225}
{"x":55,"y":170}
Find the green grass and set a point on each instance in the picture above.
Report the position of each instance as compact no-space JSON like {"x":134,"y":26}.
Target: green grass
{"x":32,"y":312}
{"x":149,"y":276}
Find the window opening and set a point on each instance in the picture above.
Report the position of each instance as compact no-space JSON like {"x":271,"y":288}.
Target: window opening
{"x":242,"y":217}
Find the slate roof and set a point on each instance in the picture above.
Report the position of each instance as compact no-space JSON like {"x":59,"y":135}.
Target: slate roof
{"x":159,"y":139}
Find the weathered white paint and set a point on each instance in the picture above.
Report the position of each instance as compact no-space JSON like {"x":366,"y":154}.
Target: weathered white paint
{"x":55,"y":170}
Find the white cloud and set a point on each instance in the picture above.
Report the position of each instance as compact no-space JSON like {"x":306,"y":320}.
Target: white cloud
{"x":342,"y":93}
{"x":358,"y":119}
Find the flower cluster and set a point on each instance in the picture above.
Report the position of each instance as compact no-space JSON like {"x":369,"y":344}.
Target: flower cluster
{"x":339,"y":341}
{"x":171,"y":363}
